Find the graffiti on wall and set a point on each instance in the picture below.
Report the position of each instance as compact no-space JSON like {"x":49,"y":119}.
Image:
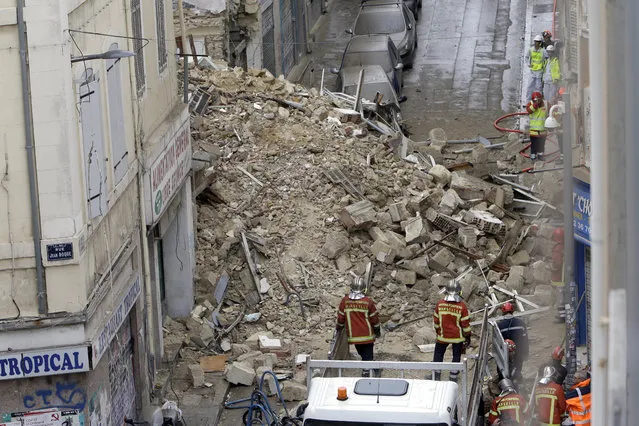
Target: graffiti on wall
{"x":121,"y":374}
{"x":98,"y":408}
{"x":62,"y":394}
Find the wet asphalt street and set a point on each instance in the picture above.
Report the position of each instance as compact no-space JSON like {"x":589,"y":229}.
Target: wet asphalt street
{"x":467,"y":69}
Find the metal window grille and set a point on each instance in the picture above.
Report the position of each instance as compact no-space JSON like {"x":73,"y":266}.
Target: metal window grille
{"x":161,"y":34}
{"x":268,"y":40}
{"x":136,"y":23}
{"x":288,"y":36}
{"x":573,"y":35}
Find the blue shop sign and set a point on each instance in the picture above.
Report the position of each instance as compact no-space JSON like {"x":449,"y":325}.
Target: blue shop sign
{"x":18,"y":365}
{"x":582,"y":209}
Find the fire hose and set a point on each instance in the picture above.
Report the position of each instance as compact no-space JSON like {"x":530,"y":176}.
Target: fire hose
{"x":551,"y":156}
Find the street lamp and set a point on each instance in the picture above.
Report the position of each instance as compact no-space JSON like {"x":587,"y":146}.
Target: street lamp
{"x":109,"y":54}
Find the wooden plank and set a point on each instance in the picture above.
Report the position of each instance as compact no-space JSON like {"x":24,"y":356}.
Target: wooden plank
{"x":211,"y":364}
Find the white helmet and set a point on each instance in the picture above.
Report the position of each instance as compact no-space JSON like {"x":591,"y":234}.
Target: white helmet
{"x":550,"y":375}
{"x":550,"y":48}
{"x":538,"y":37}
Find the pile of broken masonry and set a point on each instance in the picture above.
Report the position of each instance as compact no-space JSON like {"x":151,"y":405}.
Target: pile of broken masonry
{"x":308,"y":195}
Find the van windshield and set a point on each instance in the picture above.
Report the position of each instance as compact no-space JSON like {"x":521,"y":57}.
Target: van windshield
{"x":313,"y":422}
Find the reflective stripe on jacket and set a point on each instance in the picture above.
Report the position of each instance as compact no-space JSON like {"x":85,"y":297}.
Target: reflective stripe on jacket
{"x":537,"y":118}
{"x":552,"y":72}
{"x":536,"y":59}
{"x":579,"y":406}
{"x":451,"y":321}
{"x":550,"y":403}
{"x":360,"y":317}
{"x":510,"y":407}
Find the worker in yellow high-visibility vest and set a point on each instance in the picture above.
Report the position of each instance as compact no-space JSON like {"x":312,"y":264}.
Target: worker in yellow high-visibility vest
{"x":552,"y":75}
{"x":537,"y":114}
{"x":535,"y":59}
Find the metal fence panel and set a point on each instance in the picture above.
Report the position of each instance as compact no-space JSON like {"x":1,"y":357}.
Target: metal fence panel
{"x":268,"y":40}
{"x":500,"y":350}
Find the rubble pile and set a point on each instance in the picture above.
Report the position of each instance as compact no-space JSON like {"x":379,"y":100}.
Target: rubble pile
{"x":299,"y":195}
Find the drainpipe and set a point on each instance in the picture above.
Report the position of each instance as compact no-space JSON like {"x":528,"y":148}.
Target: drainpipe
{"x":31,"y":161}
{"x":600,"y":230}
{"x":184,"y":57}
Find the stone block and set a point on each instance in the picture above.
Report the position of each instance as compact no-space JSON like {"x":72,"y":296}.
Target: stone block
{"x":383,"y":252}
{"x":293,"y":391}
{"x":204,"y":336}
{"x":424,"y":335}
{"x":335,"y":244}
{"x":268,"y":360}
{"x":398,"y":211}
{"x":197,"y":375}
{"x":417,"y":231}
{"x":419,"y":266}
{"x":240,"y":373}
{"x":269,"y":343}
{"x":358,"y":216}
{"x":443,"y":257}
{"x":520,"y":258}
{"x":449,"y":203}
{"x":470,"y":284}
{"x":496,"y":195}
{"x":496,"y":211}
{"x":398,"y":243}
{"x":421,"y":203}
{"x":440,"y":174}
{"x":406,"y":277}
{"x":492,"y":246}
{"x":377,"y":234}
{"x":479,"y":155}
{"x":515,"y":280}
{"x":468,"y":187}
{"x":467,"y":236}
{"x":540,"y":272}
{"x":343,"y":262}
{"x":269,"y":380}
{"x":437,"y":137}
{"x":238,"y":349}
{"x":493,"y":276}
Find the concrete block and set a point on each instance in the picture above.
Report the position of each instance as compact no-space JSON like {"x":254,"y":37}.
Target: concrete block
{"x":343,"y":262}
{"x":496,"y":211}
{"x":419,"y":266}
{"x":515,"y":280}
{"x":421,"y":203}
{"x":398,"y":243}
{"x":540,"y":272}
{"x":449,"y":202}
{"x":440,"y":174}
{"x":444,"y":257}
{"x":493,"y":276}
{"x":335,"y":244}
{"x":240,"y":373}
{"x":197,"y":375}
{"x":437,"y":137}
{"x":360,"y":215}
{"x":520,"y":258}
{"x":269,"y":380}
{"x":292,"y":391}
{"x":424,"y":335}
{"x":406,"y":277}
{"x":417,"y":231}
{"x":467,"y":236}
{"x":383,"y":252}
{"x":377,"y":234}
{"x":496,"y":195}
{"x":268,"y":343}
{"x":398,"y":211}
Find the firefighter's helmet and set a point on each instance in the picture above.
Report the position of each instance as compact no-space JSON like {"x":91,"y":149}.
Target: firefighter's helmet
{"x":507,"y":387}
{"x":453,"y":290}
{"x":550,"y":375}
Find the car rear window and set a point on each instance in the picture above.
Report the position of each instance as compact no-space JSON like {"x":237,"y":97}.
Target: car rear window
{"x":382,"y":21}
{"x":357,"y":59}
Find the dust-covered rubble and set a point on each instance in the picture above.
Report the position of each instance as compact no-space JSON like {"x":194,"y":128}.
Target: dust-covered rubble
{"x":301,"y":197}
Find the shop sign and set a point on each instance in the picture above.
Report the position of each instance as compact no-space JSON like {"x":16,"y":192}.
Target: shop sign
{"x":119,"y":315}
{"x":168,"y":171}
{"x":48,"y":362}
{"x":582,"y":209}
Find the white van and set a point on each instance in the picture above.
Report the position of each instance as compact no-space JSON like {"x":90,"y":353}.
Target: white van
{"x":380,"y":402}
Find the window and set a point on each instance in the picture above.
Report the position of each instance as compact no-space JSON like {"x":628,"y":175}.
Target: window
{"x":119,"y":151}
{"x":136,"y":22}
{"x":161,"y":33}
{"x":93,"y":144}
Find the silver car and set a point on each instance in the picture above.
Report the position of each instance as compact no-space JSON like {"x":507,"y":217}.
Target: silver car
{"x":390,"y":17}
{"x":372,"y":49}
{"x":376,"y":92}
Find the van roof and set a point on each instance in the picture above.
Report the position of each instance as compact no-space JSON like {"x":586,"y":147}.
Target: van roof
{"x":425,"y":401}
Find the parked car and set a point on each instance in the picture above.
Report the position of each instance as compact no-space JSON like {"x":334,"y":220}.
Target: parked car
{"x":372,"y":49}
{"x":413,"y":5}
{"x":390,"y":17}
{"x":377,"y":93}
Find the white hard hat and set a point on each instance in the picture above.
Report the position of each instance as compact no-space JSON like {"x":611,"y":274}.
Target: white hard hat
{"x":538,"y":37}
{"x":550,"y":48}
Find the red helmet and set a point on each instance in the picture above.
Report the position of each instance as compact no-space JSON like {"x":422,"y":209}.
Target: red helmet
{"x":537,"y":95}
{"x":507,"y":308}
{"x":558,"y":353}
{"x":558,"y":235}
{"x":546,"y":34}
{"x":511,"y":345}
